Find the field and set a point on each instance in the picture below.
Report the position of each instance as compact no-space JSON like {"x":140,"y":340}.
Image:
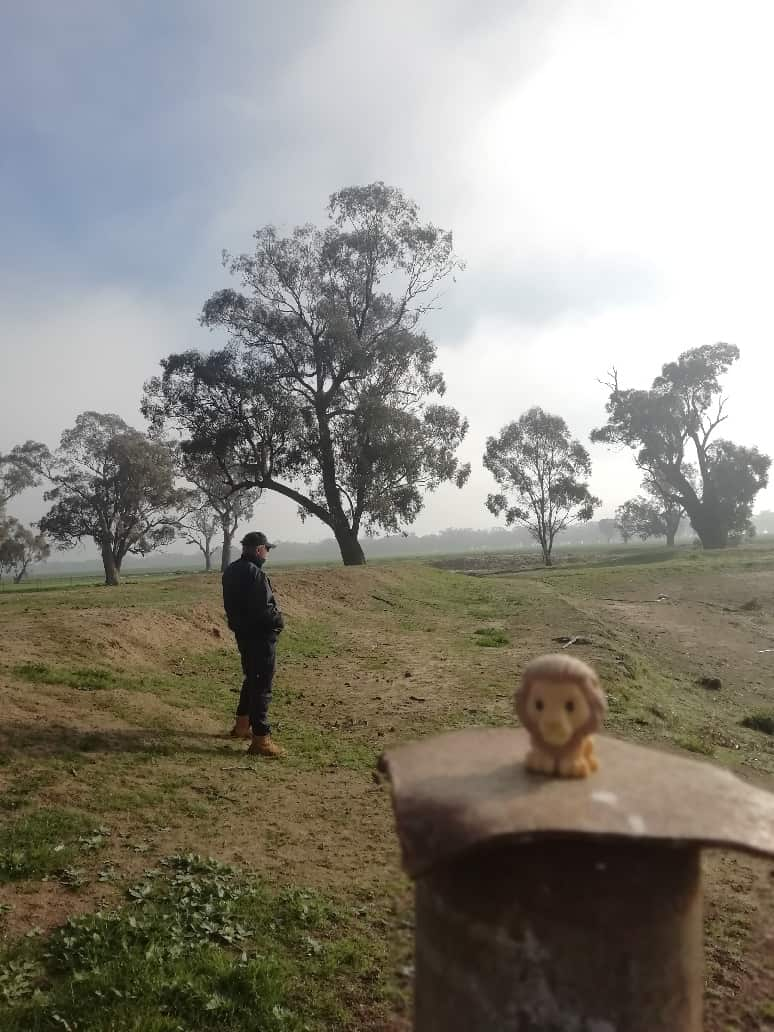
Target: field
{"x":153,"y":878}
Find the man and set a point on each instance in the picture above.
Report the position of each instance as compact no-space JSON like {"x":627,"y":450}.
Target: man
{"x":254,"y":617}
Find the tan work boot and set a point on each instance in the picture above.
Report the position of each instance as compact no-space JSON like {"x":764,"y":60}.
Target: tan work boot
{"x":241,"y":728}
{"x":262,"y":745}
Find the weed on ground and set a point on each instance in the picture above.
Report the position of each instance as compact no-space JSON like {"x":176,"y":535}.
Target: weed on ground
{"x":197,"y":946}
{"x":43,"y":842}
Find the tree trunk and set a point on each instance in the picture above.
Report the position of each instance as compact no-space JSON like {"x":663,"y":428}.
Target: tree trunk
{"x":712,"y":537}
{"x":671,"y":538}
{"x":225,"y":558}
{"x":111,"y":567}
{"x":349,"y":546}
{"x":704,"y":513}
{"x":546,"y":547}
{"x":346,"y":536}
{"x":207,"y":561}
{"x":709,"y":528}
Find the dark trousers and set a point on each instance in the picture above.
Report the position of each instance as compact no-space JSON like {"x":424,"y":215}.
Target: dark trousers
{"x":258,"y":660}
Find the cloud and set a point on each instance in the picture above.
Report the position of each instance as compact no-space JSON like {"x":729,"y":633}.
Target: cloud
{"x":382,"y":93}
{"x":91,"y":351}
{"x":604,"y":165}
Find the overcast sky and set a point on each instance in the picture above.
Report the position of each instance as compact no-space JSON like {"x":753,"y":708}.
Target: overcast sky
{"x":606,"y":167}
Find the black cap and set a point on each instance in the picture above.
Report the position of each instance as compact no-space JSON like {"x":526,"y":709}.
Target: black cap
{"x":254,"y":539}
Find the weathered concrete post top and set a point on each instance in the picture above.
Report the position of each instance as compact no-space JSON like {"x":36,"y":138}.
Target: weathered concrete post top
{"x":563,"y":904}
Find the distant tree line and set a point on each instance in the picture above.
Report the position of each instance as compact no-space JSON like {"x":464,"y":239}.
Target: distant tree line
{"x":120,"y":488}
{"x":326,"y":392}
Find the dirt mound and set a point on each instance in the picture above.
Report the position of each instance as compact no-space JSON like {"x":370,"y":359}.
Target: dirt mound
{"x":140,"y":636}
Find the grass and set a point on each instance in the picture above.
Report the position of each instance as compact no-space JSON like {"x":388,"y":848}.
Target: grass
{"x":23,"y":786}
{"x":645,"y":702}
{"x":43,"y":842}
{"x":191,"y":675}
{"x":72,"y":582}
{"x":398,"y":651}
{"x":85,"y":679}
{"x":312,"y":640}
{"x":763,"y":722}
{"x":312,"y":748}
{"x":197,"y":946}
{"x":691,"y":743}
{"x":491,"y":637}
{"x":165,"y":592}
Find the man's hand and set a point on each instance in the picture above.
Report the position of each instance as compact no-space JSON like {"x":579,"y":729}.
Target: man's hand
{"x":274,"y":619}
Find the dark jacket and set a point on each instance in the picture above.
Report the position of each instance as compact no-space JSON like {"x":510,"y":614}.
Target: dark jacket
{"x":249,"y":601}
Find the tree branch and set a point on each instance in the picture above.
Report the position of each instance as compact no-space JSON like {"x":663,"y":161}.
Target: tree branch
{"x":311,"y":507}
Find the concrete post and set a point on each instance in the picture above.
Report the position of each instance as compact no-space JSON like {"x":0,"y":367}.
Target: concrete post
{"x":552,"y":905}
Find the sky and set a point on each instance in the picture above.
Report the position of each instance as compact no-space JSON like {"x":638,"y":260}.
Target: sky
{"x":605,"y":166}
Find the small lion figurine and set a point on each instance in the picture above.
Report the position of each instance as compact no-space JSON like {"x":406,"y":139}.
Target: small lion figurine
{"x":561,"y":704}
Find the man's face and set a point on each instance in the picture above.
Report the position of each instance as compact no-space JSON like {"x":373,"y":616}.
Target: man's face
{"x":255,"y":552}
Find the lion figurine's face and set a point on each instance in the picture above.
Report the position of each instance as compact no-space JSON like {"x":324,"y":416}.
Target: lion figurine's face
{"x":557,"y":710}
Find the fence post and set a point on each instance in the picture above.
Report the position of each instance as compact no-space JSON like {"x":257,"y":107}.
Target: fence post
{"x":556,"y":905}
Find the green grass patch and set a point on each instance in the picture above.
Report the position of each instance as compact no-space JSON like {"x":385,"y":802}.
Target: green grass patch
{"x":128,"y":798}
{"x":43,"y":842}
{"x":308,"y":640}
{"x":197,"y":947}
{"x":84,"y":678}
{"x":193,"y":678}
{"x":691,"y":743}
{"x":491,"y":637}
{"x":204,"y":678}
{"x":763,"y":722}
{"x":155,"y":591}
{"x":313,"y":748}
